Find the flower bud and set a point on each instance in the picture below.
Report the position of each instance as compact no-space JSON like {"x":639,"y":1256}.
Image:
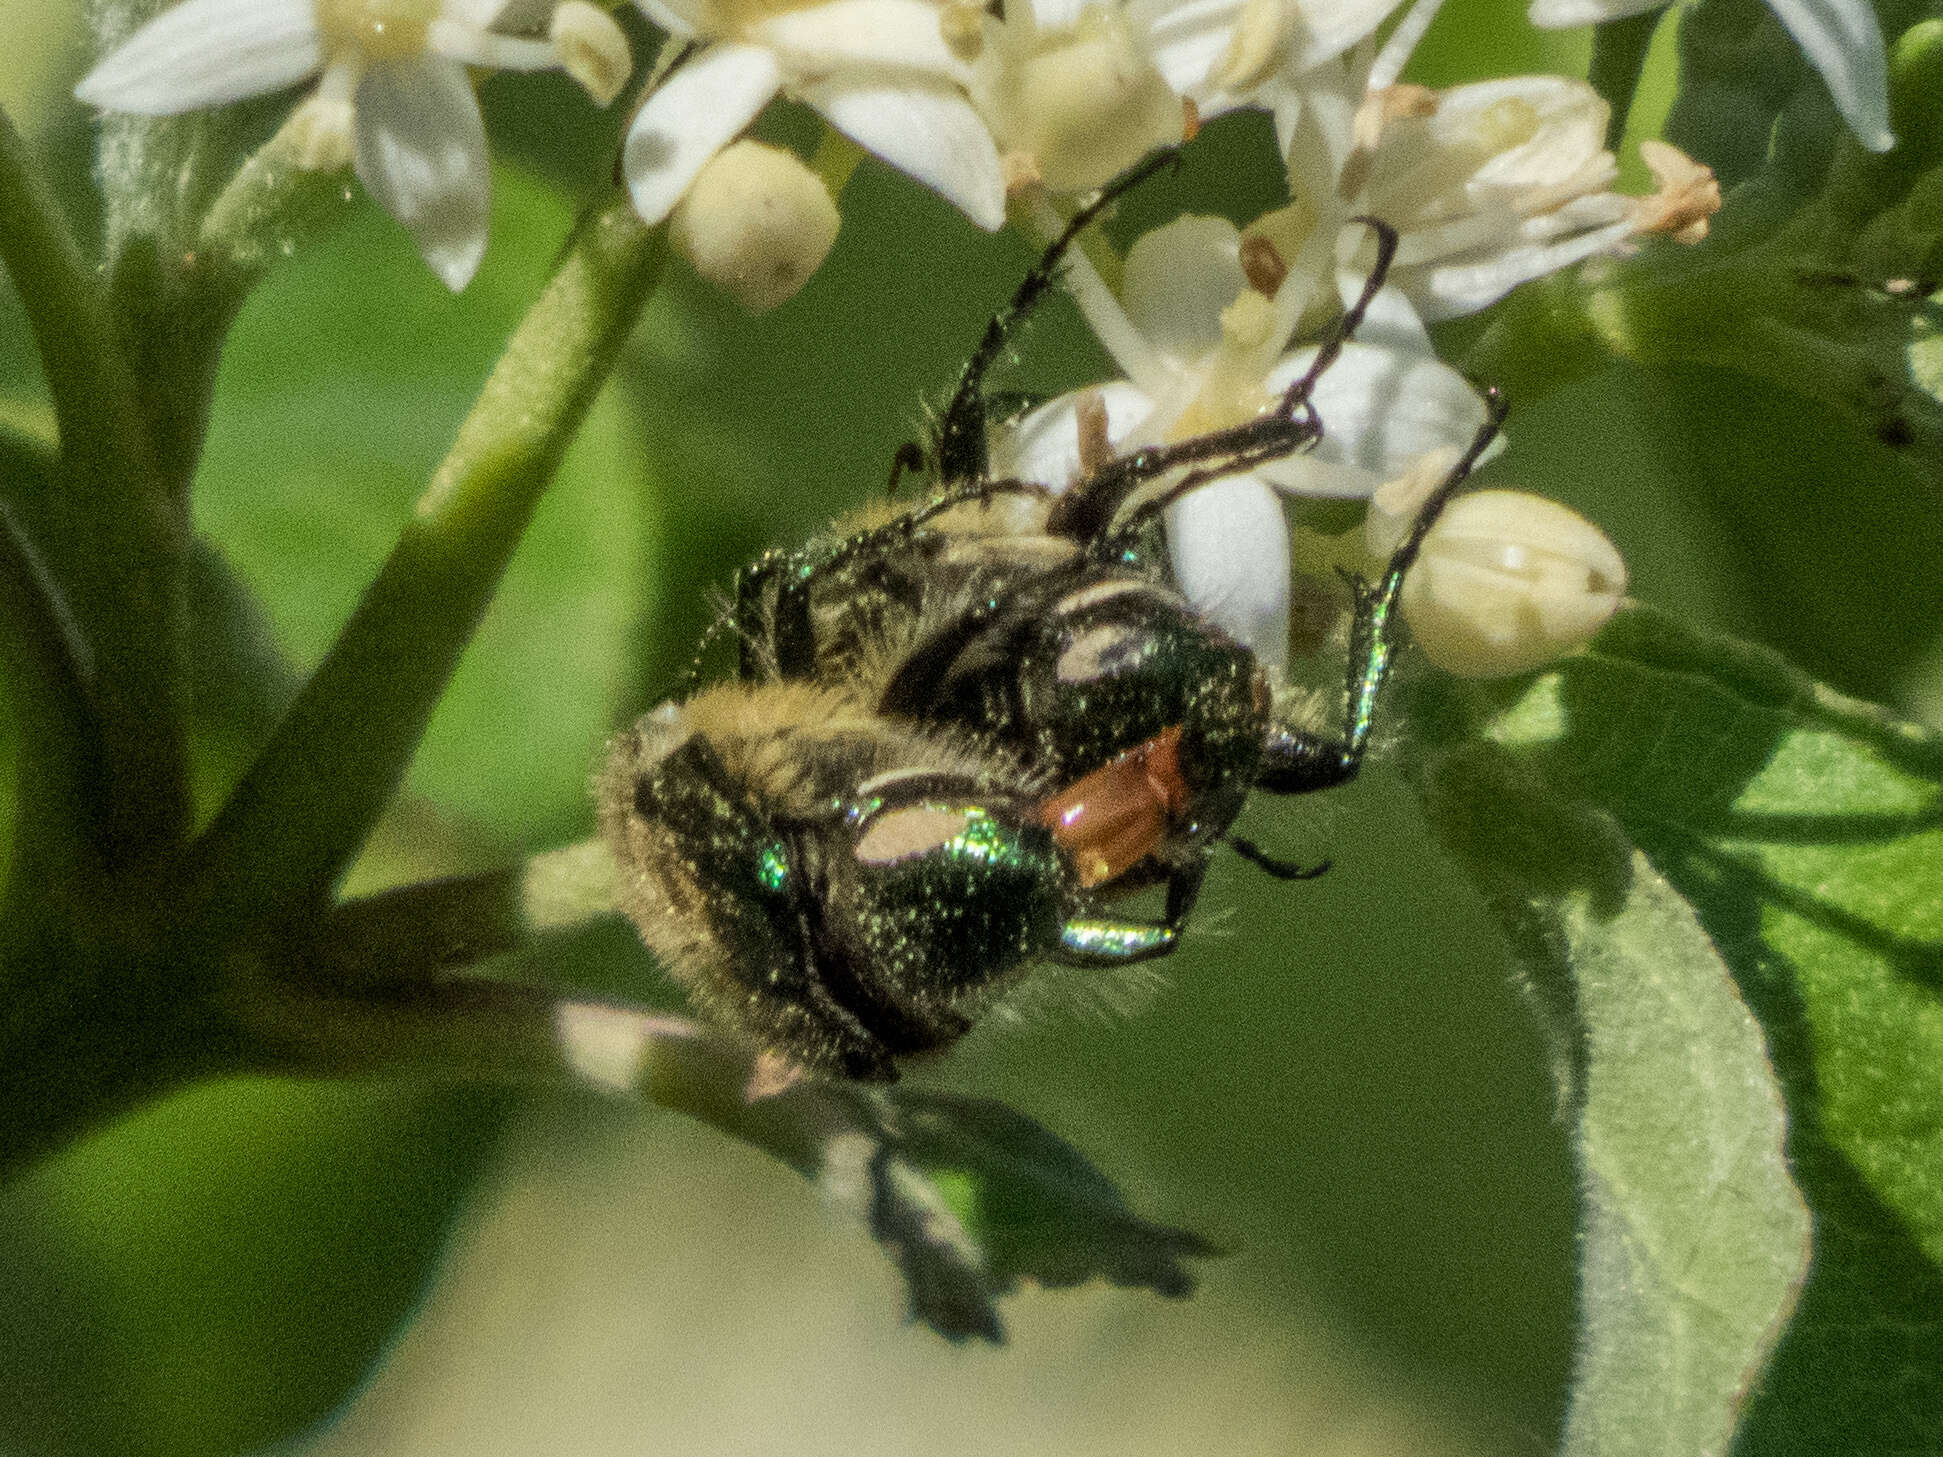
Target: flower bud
{"x":1507,"y":582}
{"x":756,"y":223}
{"x":1082,"y":102}
{"x":592,"y":49}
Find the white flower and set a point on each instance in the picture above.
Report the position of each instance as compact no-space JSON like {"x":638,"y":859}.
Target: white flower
{"x":880,"y":71}
{"x":1071,"y":93}
{"x":1841,"y":39}
{"x":393,"y":96}
{"x":1203,"y":350}
{"x":1227,"y":53}
{"x":1489,"y":184}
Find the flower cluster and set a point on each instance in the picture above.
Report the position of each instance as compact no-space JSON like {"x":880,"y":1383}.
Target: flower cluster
{"x":1009,"y":115}
{"x":393,"y":96}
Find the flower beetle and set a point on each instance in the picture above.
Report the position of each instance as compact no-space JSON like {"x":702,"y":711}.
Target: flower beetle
{"x":960,"y":729}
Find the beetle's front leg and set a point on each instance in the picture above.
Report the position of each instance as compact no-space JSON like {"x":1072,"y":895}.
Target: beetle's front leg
{"x":1096,"y":942}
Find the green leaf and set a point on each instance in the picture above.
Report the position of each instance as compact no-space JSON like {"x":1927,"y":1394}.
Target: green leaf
{"x":967,"y":1197}
{"x":1739,"y":71}
{"x":1678,"y":1115}
{"x":221,"y":1269}
{"x":971,"y":1198}
{"x":1805,"y":830}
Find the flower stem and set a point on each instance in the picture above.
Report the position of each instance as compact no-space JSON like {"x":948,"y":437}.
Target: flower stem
{"x":506,"y":1034}
{"x":121,"y":539}
{"x":269,"y":207}
{"x":1619,"y":49}
{"x":416,"y":930}
{"x":309,"y":801}
{"x":96,"y":404}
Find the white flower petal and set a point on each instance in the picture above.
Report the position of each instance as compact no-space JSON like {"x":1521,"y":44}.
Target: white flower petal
{"x":1450,"y":290}
{"x":690,"y":117}
{"x":1179,"y":277}
{"x":1054,"y":14}
{"x":1403,"y":40}
{"x":1043,"y":444}
{"x":422,"y":154}
{"x":1565,"y":153}
{"x":1560,"y":14}
{"x":923,"y":128}
{"x":901,"y":34}
{"x":1843,"y":41}
{"x":511,"y":15}
{"x":681,"y":19}
{"x":489,"y":49}
{"x":1230,"y":546}
{"x":1327,"y":28}
{"x":1380,"y":409}
{"x":1391,"y":320}
{"x":207,"y":53}
{"x":1186,"y":40}
{"x":1138,"y":360}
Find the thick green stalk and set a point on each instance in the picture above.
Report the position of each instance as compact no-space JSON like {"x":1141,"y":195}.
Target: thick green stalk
{"x":96,"y":404}
{"x":121,"y":541}
{"x":415,"y":931}
{"x":1619,"y":49}
{"x":307,"y":804}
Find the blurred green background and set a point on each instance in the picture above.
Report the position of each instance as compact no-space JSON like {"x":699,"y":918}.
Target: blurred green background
{"x":1336,"y":1081}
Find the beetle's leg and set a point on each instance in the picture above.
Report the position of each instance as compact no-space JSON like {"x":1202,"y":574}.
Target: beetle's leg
{"x":1094,"y":942}
{"x":1275,"y":865}
{"x":959,"y":448}
{"x":775,"y":637}
{"x":1091,"y":509}
{"x":909,"y":457}
{"x":1297,"y":761}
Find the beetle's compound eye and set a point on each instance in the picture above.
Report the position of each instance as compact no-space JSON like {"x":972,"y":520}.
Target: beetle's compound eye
{"x":946,"y":885}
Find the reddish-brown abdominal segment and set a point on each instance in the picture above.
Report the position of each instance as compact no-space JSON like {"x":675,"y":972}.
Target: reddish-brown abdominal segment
{"x":1112,"y":819}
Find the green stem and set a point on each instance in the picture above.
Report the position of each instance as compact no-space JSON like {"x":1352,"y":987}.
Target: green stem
{"x":307,"y":804}
{"x":1619,"y":49}
{"x":123,"y":541}
{"x":267,"y":208}
{"x":415,"y":930}
{"x":507,"y":1034}
{"x":96,"y":404}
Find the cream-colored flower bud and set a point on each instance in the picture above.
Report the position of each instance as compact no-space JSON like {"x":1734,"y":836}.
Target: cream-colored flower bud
{"x":1083,"y":102}
{"x":1507,"y":582}
{"x":591,"y":48}
{"x":756,"y":223}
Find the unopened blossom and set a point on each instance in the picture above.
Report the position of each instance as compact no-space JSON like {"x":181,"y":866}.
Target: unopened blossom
{"x":880,"y":71}
{"x":392,"y":97}
{"x":1841,"y":38}
{"x":1506,"y":581}
{"x":1489,"y":184}
{"x":1072,"y":93}
{"x":756,"y":223}
{"x":1203,"y":349}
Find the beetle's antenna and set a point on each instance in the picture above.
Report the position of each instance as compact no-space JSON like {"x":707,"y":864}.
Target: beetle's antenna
{"x":960,"y":448}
